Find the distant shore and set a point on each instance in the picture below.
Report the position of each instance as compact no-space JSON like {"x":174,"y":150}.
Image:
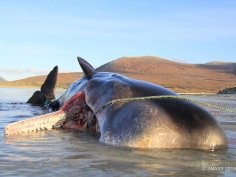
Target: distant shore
{"x":14,"y":85}
{"x":23,"y":85}
{"x":17,"y":86}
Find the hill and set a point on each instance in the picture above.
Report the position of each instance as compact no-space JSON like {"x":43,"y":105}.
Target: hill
{"x":2,"y":79}
{"x":180,"y":77}
{"x":223,"y":67}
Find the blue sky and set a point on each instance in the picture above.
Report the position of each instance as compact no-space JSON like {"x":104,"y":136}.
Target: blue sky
{"x":37,"y":35}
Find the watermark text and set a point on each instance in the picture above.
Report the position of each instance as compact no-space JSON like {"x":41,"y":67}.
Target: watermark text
{"x":218,"y":169}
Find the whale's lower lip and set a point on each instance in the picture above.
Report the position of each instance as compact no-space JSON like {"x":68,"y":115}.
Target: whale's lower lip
{"x":74,"y":114}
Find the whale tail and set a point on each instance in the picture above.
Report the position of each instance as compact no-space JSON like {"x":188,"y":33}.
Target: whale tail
{"x":46,"y":92}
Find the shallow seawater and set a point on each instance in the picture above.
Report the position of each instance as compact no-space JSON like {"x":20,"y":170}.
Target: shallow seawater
{"x":61,"y":153}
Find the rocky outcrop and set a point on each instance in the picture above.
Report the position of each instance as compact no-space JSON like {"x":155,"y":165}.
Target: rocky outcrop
{"x":231,"y":90}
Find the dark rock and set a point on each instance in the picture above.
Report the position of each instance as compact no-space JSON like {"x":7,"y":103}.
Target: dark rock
{"x":231,"y":90}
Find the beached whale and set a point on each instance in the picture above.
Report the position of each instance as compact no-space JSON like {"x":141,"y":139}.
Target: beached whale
{"x":150,"y":123}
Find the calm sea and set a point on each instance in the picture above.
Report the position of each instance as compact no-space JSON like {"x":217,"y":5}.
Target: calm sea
{"x":60,"y":153}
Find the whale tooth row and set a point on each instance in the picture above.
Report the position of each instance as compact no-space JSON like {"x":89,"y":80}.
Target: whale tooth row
{"x":40,"y":123}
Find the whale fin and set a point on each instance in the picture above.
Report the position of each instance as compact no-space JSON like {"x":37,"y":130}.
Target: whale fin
{"x":88,"y":70}
{"x":38,"y":99}
{"x":49,"y":84}
{"x":47,"y":89}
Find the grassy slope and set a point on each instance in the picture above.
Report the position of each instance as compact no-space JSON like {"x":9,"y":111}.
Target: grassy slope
{"x":180,"y":77}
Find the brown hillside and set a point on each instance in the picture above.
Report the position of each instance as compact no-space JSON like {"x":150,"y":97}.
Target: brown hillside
{"x":180,"y":77}
{"x":176,"y":76}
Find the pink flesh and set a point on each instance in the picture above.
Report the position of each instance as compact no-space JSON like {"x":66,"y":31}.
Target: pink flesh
{"x":77,"y":99}
{"x":78,"y":114}
{"x":44,"y":122}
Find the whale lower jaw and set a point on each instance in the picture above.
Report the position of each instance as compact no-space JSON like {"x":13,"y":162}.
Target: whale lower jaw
{"x":74,"y":114}
{"x":39,"y":123}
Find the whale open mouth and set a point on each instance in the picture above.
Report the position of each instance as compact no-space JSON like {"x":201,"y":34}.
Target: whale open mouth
{"x":75,"y":114}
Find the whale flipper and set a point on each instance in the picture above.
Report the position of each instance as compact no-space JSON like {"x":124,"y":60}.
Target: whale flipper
{"x":46,"y":92}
